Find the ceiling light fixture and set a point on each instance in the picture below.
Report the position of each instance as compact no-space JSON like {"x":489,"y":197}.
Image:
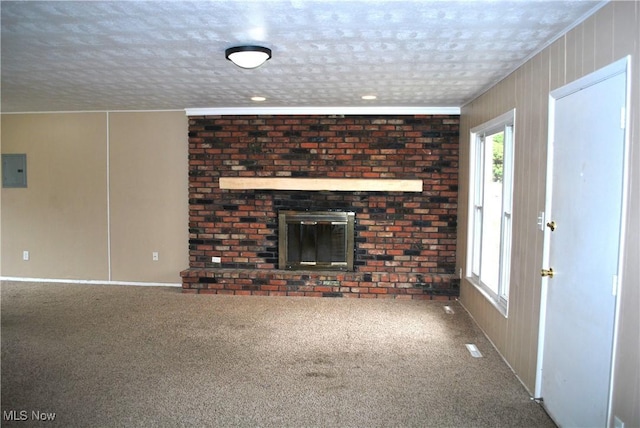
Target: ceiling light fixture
{"x":248,"y":56}
{"x":369,"y":97}
{"x":258,"y":99}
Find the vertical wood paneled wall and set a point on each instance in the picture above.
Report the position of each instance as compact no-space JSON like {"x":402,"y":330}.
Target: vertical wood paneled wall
{"x":608,"y":35}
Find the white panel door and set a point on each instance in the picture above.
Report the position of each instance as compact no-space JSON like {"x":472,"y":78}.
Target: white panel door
{"x":584,"y":199}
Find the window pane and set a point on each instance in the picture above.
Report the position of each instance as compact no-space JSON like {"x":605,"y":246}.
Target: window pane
{"x":477,"y":203}
{"x":492,"y":211}
{"x":477,"y":239}
{"x":506,"y":269}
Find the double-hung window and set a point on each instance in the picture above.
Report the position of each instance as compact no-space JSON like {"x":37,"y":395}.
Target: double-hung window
{"x":490,"y":205}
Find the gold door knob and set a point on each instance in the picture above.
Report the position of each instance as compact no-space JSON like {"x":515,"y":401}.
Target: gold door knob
{"x":547,"y":272}
{"x":551,"y":225}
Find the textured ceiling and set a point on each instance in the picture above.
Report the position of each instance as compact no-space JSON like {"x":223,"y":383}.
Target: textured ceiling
{"x":153,"y":55}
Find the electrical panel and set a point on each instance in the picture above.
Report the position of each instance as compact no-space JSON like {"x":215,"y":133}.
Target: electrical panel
{"x":14,"y":170}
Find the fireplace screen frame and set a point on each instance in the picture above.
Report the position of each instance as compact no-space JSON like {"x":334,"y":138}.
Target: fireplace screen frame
{"x":309,"y":223}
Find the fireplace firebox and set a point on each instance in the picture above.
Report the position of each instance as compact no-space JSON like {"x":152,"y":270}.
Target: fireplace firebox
{"x":316,"y":240}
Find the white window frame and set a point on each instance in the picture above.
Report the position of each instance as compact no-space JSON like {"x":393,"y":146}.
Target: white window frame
{"x":503,"y":123}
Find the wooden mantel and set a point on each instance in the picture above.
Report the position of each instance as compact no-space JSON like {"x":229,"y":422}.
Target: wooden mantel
{"x":321,"y":184}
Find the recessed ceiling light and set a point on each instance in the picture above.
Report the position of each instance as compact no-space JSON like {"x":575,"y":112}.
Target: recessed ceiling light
{"x":369,"y":97}
{"x":258,"y":98}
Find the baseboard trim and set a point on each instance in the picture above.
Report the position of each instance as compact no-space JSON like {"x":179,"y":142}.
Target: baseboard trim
{"x":90,"y":282}
{"x":533,"y":397}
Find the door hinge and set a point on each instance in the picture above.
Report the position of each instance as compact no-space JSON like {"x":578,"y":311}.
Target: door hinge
{"x":623,"y":118}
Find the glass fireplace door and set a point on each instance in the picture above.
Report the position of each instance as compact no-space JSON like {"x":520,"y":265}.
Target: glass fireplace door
{"x":316,"y":240}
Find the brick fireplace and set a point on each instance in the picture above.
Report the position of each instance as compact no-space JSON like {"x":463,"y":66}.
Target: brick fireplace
{"x":405,"y":241}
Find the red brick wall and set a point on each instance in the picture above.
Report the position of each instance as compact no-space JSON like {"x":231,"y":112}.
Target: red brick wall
{"x":405,"y":242}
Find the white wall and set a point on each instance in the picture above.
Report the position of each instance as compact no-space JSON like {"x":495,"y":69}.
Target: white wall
{"x":105,"y":190}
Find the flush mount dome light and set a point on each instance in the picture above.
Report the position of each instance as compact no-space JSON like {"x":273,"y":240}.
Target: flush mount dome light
{"x":248,"y":56}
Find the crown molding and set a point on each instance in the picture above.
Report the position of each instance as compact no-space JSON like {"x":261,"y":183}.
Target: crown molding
{"x":375,"y":111}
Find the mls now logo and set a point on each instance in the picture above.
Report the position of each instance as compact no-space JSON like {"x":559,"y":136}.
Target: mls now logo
{"x":24,"y":415}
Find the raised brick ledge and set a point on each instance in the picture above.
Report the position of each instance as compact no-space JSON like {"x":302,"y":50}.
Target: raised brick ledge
{"x":266,"y":282}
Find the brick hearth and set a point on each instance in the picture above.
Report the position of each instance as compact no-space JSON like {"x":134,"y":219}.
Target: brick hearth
{"x":405,"y":241}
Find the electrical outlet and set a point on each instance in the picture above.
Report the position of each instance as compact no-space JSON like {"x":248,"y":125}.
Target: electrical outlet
{"x":155,"y":256}
{"x":25,"y":255}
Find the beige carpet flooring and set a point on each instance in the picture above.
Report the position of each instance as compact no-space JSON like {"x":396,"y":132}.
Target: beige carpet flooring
{"x":123,"y":356}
